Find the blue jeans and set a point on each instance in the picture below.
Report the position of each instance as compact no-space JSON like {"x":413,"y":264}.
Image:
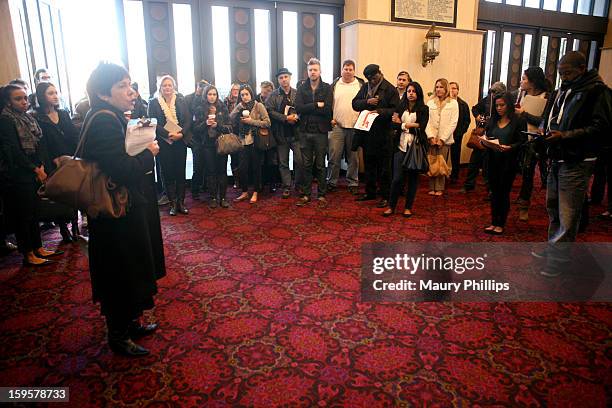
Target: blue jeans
{"x":283,"y":163}
{"x":566,"y":189}
{"x":340,"y":142}
{"x":314,"y":148}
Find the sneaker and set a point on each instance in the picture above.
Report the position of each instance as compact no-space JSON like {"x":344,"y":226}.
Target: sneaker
{"x":303,"y":201}
{"x":163,"y":200}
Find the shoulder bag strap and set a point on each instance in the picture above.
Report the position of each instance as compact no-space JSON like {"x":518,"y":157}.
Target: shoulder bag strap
{"x":86,"y":125}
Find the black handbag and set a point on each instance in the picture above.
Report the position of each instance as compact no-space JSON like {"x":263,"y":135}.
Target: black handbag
{"x":264,"y":140}
{"x":416,"y":156}
{"x":50,"y":211}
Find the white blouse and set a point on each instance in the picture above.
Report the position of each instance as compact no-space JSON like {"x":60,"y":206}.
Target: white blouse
{"x":406,"y":137}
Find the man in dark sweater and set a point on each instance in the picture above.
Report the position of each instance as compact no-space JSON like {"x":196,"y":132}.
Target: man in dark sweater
{"x":462,"y":126}
{"x":378,"y":95}
{"x":313,"y":104}
{"x":576,"y":125}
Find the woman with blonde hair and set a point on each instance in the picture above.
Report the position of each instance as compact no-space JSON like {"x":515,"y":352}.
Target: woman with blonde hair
{"x":443,"y":117}
{"x":169,"y":108}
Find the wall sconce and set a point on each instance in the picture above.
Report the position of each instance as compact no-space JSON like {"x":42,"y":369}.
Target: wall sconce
{"x":431,"y":47}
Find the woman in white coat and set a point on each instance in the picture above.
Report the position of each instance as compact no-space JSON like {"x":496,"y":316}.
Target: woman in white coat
{"x":443,"y":116}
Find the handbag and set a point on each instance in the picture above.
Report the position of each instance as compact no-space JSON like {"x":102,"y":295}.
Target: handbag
{"x":50,"y":211}
{"x":81,"y":184}
{"x":228,"y":143}
{"x":437,"y":164}
{"x":415,"y":158}
{"x":264,"y":140}
{"x":474,"y":140}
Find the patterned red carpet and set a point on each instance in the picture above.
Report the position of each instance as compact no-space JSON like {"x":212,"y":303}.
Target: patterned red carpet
{"x":260,"y":308}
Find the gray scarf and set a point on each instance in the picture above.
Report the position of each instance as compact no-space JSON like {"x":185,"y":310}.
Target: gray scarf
{"x":27,"y":129}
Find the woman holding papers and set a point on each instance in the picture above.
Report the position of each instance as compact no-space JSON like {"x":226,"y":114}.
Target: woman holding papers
{"x":247,"y":117}
{"x":504,"y":135}
{"x":530,"y":105}
{"x":126,"y":255}
{"x":173,"y":127}
{"x":211,"y":121}
{"x":409,"y":122}
{"x":443,"y":117}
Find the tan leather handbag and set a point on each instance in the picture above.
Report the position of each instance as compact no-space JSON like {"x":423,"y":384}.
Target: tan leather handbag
{"x":82,"y":185}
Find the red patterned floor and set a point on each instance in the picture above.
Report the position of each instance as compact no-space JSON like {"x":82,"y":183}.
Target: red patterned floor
{"x":260,"y":309}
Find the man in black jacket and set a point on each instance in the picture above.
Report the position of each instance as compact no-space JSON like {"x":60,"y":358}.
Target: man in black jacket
{"x":197,"y":179}
{"x":313,"y":104}
{"x":281,"y":108}
{"x":462,"y":126}
{"x":576,"y":123}
{"x":378,"y":95}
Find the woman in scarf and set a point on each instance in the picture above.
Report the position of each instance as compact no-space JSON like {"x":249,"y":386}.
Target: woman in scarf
{"x":171,"y":111}
{"x":25,"y":154}
{"x":211,"y":121}
{"x":443,"y":117}
{"x":60,"y":137}
{"x":247,"y":117}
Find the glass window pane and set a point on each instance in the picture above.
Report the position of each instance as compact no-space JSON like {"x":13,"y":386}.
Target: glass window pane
{"x":45,"y":19}
{"x":488,"y":71}
{"x":532,"y":3}
{"x":21,"y":42}
{"x":494,"y":1}
{"x":262,"y":46}
{"x":40,"y":61}
{"x":567,"y":6}
{"x":61,"y":57}
{"x":183,"y":43}
{"x":513,"y":2}
{"x":290,"y":56}
{"x":326,"y":41}
{"x":526,"y":52}
{"x":599,"y":10}
{"x":221,"y":45}
{"x":136,"y":45}
{"x":576,"y":44}
{"x":592,"y":54}
{"x":503,"y":76}
{"x":550,"y":4}
{"x":584,"y":7}
{"x":562,"y":51}
{"x":543,"y":53}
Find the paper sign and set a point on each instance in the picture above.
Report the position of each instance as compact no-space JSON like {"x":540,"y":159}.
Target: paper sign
{"x":366,"y":120}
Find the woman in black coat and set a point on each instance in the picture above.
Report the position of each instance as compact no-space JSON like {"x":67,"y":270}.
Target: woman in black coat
{"x":60,"y":138}
{"x":409,"y":122}
{"x":169,"y":106}
{"x":211,"y":121}
{"x":25,"y":156}
{"x":126,"y":255}
{"x":505,"y":129}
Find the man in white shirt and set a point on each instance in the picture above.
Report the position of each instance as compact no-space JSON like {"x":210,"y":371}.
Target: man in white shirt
{"x":340,"y":138}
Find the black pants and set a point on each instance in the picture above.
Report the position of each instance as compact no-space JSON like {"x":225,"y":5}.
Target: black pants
{"x":173,"y":158}
{"x":400,"y":176}
{"x":197,"y":178}
{"x":314,"y":148}
{"x":251,"y":161}
{"x":501,"y":171}
{"x":456,"y":157}
{"x":478,"y":160}
{"x":216,"y":172}
{"x":602,"y":176}
{"x":22,"y":200}
{"x":377,"y":162}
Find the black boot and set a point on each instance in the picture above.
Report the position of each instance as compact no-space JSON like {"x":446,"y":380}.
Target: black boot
{"x":137,"y":330}
{"x":180,"y":198}
{"x":120,"y":343}
{"x":171,"y":192}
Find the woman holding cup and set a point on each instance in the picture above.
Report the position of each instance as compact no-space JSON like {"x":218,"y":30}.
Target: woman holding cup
{"x":247,"y":117}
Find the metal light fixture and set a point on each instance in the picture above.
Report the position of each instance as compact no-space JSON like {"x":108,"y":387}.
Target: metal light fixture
{"x":431,"y":47}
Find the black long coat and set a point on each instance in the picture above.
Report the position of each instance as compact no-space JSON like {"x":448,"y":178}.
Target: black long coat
{"x":126,"y":255}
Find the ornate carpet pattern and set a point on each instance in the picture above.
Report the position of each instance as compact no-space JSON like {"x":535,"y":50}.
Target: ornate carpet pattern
{"x":261,"y":308}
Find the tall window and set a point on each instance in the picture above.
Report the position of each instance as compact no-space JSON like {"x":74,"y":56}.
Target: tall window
{"x":137,"y":46}
{"x":262,"y":46}
{"x":503,"y":76}
{"x":488,"y":67}
{"x":290,"y":52}
{"x":326,"y":36}
{"x":526,"y":52}
{"x":183,"y":43}
{"x":221,"y":47}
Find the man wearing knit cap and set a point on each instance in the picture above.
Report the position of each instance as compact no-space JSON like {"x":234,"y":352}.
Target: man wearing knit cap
{"x":377,"y":95}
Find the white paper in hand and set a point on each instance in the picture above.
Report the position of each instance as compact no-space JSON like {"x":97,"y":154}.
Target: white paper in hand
{"x":138,"y":136}
{"x":365,"y":120}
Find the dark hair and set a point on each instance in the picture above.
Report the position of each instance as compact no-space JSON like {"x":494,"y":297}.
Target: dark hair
{"x":20,"y":82}
{"x":266,"y":84}
{"x":453,"y":83}
{"x":102,"y":79}
{"x":6,"y":91}
{"x":41,"y":89}
{"x":38,"y":72}
{"x":574,"y":58}
{"x":536,"y":76}
{"x":404,"y":73}
{"x":510,"y":112}
{"x":248,"y":88}
{"x":419,"y":91}
{"x":348,"y":62}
